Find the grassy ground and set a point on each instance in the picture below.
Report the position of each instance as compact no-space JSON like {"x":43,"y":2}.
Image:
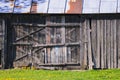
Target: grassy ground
{"x":59,"y":75}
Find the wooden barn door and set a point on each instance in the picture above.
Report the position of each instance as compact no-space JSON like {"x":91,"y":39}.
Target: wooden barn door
{"x":53,"y":44}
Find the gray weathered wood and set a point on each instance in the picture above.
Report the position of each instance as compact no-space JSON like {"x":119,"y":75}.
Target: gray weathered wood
{"x":94,"y":41}
{"x":112,"y":45}
{"x":98,"y":45}
{"x":85,"y":45}
{"x":3,"y":59}
{"x":105,"y":44}
{"x":47,"y":24}
{"x":30,"y":34}
{"x":115,"y":45}
{"x":90,"y":63}
{"x":101,"y":39}
{"x":63,"y":40}
{"x":81,"y":44}
{"x":118,"y":36}
{"x":48,"y":38}
{"x":108,"y":43}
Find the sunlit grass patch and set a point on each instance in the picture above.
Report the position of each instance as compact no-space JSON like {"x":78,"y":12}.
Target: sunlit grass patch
{"x":22,"y":74}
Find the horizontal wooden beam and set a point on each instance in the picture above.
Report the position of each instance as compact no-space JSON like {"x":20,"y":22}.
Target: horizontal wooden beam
{"x":63,"y":24}
{"x":46,"y":45}
{"x":50,"y":24}
{"x":59,"y":64}
{"x":29,"y":24}
{"x":53,"y":45}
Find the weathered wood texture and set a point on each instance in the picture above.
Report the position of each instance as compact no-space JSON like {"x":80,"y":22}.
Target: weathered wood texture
{"x":88,"y":43}
{"x":51,"y":45}
{"x":105,"y":43}
{"x":1,"y":39}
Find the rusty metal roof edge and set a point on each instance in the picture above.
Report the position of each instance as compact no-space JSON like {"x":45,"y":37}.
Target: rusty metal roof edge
{"x":67,"y":10}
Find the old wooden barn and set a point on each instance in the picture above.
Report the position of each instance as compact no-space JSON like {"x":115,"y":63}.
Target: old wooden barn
{"x":60,"y":34}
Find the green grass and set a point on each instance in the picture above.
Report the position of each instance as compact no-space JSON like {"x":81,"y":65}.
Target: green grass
{"x":20,"y":74}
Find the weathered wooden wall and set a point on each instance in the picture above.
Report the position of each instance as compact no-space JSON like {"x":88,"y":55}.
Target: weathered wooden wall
{"x":105,"y":43}
{"x":65,"y":41}
{"x":51,"y":42}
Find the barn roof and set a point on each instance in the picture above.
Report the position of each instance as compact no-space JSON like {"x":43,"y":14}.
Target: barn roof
{"x":60,"y":6}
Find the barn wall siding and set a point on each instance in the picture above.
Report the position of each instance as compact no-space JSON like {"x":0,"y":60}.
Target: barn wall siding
{"x":63,"y":41}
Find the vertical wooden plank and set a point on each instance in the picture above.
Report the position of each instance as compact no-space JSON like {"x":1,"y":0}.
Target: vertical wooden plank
{"x":69,"y":54}
{"x":45,"y":56}
{"x":108,"y":44}
{"x":98,"y":45}
{"x":3,"y":55}
{"x":90,"y":63}
{"x":81,"y":43}
{"x":118,"y":37}
{"x":85,"y":44}
{"x":115,"y":45}
{"x":94,"y":41}
{"x":112,"y":46}
{"x":61,"y":56}
{"x":52,"y":55}
{"x":63,"y":40}
{"x":101,"y":37}
{"x":48,"y":38}
{"x":105,"y":43}
{"x":1,"y":43}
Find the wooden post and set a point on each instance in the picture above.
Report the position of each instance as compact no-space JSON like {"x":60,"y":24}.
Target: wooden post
{"x":48,"y":38}
{"x":4,"y":47}
{"x":112,"y":45}
{"x":81,"y":45}
{"x":63,"y":39}
{"x":104,"y":41}
{"x":108,"y":43}
{"x":85,"y":45}
{"x":98,"y":45}
{"x":90,"y":63}
{"x":94,"y":41}
{"x":115,"y":45}
{"x":118,"y":36}
{"x":102,"y":49}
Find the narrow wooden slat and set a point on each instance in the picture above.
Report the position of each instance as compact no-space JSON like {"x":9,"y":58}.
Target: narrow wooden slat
{"x":48,"y":24}
{"x":64,"y":52}
{"x":48,"y":39}
{"x":53,"y":45}
{"x":81,"y":44}
{"x":115,"y":45}
{"x":98,"y":45}
{"x":69,"y":54}
{"x":85,"y":45}
{"x":108,"y":44}
{"x":94,"y":41}
{"x":101,"y":37}
{"x":4,"y":47}
{"x":112,"y":46}
{"x":118,"y":37}
{"x":52,"y":55}
{"x":59,"y":64}
{"x":45,"y":55}
{"x":105,"y":43}
{"x":90,"y":63}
